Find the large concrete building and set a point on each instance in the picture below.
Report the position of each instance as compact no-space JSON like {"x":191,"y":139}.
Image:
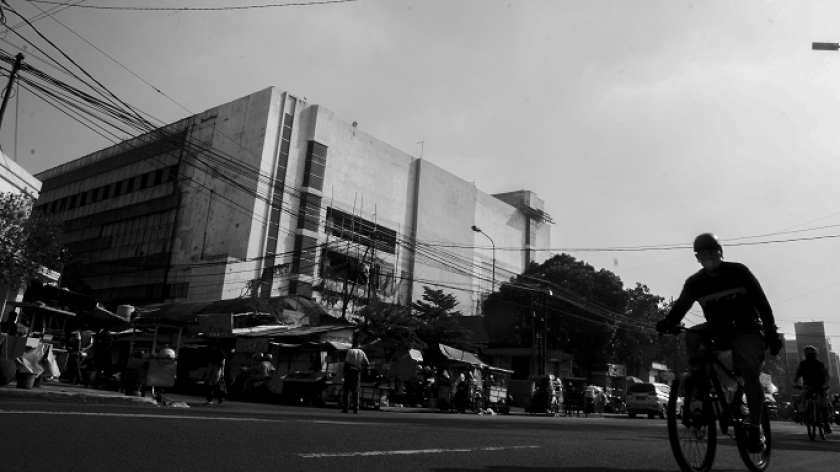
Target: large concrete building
{"x":269,"y":195}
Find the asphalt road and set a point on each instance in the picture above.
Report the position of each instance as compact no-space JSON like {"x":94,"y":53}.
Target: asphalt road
{"x":245,"y":437}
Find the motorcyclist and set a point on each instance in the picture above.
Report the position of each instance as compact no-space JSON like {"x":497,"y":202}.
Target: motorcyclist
{"x":262,"y":371}
{"x":815,"y":377}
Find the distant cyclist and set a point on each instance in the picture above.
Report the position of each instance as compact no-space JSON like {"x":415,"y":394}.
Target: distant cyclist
{"x":738,"y":317}
{"x":815,"y":377}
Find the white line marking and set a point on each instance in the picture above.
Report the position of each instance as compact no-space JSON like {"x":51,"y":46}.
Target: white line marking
{"x":319,"y":455}
{"x":185,"y":417}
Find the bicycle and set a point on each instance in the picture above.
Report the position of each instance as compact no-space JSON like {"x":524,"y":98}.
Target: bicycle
{"x":692,"y":431}
{"x":813,"y":416}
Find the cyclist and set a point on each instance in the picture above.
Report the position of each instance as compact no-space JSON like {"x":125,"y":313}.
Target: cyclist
{"x":815,"y":377}
{"x":738,"y":317}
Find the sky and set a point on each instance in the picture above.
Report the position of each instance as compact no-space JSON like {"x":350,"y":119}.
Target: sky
{"x":639,"y":123}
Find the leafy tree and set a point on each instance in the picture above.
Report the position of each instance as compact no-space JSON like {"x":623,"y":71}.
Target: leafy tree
{"x":589,"y":314}
{"x":387,"y":321}
{"x":438,"y":320}
{"x":28,"y":241}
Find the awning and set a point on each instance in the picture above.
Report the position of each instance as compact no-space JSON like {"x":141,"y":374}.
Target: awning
{"x":40,"y":307}
{"x":328,"y":346}
{"x":499,"y":370}
{"x":188,"y":312}
{"x":456,"y":355}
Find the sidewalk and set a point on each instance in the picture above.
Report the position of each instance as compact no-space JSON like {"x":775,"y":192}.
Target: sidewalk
{"x":62,"y":392}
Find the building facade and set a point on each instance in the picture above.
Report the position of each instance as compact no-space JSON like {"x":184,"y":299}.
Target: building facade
{"x":269,"y":195}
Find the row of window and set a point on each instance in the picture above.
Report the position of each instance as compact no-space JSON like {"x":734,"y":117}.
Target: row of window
{"x":132,"y":184}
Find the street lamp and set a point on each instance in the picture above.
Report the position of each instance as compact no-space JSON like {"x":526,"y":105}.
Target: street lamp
{"x":478,"y":230}
{"x":825,"y":46}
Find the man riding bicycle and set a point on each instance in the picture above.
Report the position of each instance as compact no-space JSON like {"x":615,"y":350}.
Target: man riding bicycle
{"x":815,"y":378}
{"x":738,"y":317}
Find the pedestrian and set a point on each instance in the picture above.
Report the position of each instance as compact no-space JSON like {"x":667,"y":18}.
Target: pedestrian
{"x":214,"y":377}
{"x":74,"y":359}
{"x":102,"y":357}
{"x":355,"y":362}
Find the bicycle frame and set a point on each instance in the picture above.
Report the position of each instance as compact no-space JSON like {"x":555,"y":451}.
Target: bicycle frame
{"x":727,"y":411}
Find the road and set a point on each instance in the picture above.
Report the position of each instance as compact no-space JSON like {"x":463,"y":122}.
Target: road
{"x":246,"y":437}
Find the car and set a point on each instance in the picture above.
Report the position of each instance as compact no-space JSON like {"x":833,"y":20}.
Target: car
{"x":649,"y":398}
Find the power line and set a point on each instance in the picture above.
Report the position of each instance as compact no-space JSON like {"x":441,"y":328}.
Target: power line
{"x":243,"y":7}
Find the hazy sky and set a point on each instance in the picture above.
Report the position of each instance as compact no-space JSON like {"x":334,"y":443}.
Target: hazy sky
{"x":640,"y":123}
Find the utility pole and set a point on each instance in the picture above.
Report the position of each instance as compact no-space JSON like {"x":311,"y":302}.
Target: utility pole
{"x":8,"y":91}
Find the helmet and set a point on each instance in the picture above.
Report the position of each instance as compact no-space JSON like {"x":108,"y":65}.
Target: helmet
{"x":166,"y":353}
{"x":267,"y":357}
{"x":706,"y":241}
{"x":810,"y":350}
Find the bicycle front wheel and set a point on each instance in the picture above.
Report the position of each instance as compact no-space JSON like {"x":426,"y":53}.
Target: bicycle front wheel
{"x":756,"y":462}
{"x":693,"y":437}
{"x":811,"y":421}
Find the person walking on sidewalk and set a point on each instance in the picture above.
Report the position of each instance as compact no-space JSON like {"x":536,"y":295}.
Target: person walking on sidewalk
{"x":214,"y":378}
{"x":355,"y":362}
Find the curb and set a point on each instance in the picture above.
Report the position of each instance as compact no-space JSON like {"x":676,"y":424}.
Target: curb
{"x":71,"y":397}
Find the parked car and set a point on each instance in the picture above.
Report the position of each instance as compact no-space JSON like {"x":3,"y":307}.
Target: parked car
{"x":647,"y":398}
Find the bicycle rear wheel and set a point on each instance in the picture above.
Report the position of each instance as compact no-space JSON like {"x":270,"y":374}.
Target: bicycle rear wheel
{"x":810,"y":421}
{"x":693,"y":438}
{"x":756,"y":462}
{"x":818,"y":422}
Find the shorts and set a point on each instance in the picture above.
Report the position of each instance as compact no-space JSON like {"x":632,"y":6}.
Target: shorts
{"x":747,"y":346}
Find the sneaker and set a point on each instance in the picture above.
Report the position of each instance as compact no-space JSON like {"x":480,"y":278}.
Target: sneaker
{"x":755,"y":440}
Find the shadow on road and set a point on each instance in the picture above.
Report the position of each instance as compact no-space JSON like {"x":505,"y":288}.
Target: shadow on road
{"x":545,"y":469}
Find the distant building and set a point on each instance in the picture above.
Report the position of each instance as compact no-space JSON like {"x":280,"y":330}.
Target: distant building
{"x":269,"y":195}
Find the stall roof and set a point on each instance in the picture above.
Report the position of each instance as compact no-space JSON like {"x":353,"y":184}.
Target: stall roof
{"x":457,"y":355}
{"x":285,"y":331}
{"x":188,"y":312}
{"x":328,"y":346}
{"x":40,"y":307}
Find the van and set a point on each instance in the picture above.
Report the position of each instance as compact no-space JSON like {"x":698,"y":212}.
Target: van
{"x":647,"y":398}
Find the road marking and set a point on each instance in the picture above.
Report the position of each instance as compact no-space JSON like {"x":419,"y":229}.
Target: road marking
{"x":319,"y":455}
{"x":185,"y":417}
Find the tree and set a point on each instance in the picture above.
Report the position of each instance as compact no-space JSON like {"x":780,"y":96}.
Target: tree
{"x":388,"y":321}
{"x":589,"y":314}
{"x":438,"y":320}
{"x":28,"y":241}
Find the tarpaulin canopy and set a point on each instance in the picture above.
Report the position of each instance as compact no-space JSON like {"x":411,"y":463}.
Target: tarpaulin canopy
{"x":456,"y":355}
{"x":328,"y":346}
{"x":188,"y":312}
{"x":38,"y":306}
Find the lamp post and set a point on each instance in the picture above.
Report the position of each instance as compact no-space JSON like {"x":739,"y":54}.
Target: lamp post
{"x":825,"y":46}
{"x":478,"y":230}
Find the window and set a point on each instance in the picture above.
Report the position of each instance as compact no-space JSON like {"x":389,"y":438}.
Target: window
{"x":117,"y":189}
{"x":106,"y":192}
{"x":129,"y":185}
{"x":158,"y":177}
{"x":83,"y":199}
{"x":144,"y":180}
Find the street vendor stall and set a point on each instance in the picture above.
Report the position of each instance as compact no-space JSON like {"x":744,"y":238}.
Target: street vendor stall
{"x":38,"y":344}
{"x":496,"y":388}
{"x":393,"y":376}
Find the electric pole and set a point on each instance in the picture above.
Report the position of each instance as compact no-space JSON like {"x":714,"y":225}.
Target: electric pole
{"x":8,"y":91}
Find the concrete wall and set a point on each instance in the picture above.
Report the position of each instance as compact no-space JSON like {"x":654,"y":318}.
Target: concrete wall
{"x":222,"y":229}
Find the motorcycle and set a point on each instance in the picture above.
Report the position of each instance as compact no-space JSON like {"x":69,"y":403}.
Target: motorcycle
{"x":245,"y":387}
